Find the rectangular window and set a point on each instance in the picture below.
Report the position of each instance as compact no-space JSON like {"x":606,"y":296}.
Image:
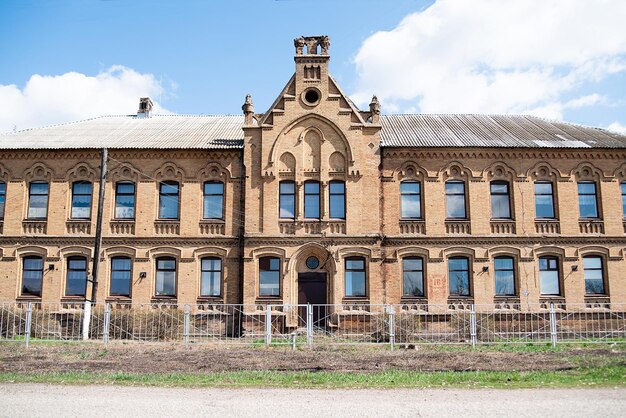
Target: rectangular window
{"x":455,"y":200}
{"x":355,"y":277}
{"x":125,"y":200}
{"x":594,"y":275}
{"x":168,"y":200}
{"x":81,"y":200}
{"x":337,"y":197}
{"x":269,"y":276}
{"x":211,"y":280}
{"x":166,"y":277}
{"x":505,"y":276}
{"x":587,"y":199}
{"x":544,"y":200}
{"x":549,"y":276}
{"x":500,"y":200}
{"x":38,"y":200}
{"x":121,"y":270}
{"x":287,"y":199}
{"x":412,"y":277}
{"x":458,"y":272}
{"x":623,"y":187}
{"x":213,"y":200}
{"x":76,"y":278}
{"x":32,"y":276}
{"x":312,"y":200}
{"x":411,"y":200}
{"x":3,"y":195}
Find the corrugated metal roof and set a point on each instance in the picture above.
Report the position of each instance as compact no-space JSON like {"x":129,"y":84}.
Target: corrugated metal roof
{"x":158,"y":131}
{"x":423,"y":130}
{"x":225,"y":132}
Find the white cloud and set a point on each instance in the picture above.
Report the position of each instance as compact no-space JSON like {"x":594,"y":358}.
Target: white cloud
{"x":494,"y":56}
{"x":617,"y":127}
{"x":72,"y":96}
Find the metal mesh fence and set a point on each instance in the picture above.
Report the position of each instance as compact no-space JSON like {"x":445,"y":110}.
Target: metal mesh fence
{"x":309,"y":325}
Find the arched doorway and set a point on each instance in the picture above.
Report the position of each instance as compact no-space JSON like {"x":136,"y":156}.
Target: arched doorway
{"x":312,"y":271}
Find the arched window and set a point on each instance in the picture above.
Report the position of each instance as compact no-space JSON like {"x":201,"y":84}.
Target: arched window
{"x":169,"y":200}
{"x":459,"y":276}
{"x":623,"y":189}
{"x":269,"y":276}
{"x":211,"y":277}
{"x":504,"y":272}
{"x":500,"y":200}
{"x":456,"y":206}
{"x":125,"y":200}
{"x":3,"y":195}
{"x":287,"y":200}
{"x":76,"y":277}
{"x":121,"y":273}
{"x":411,"y":200}
{"x":549,"y":276}
{"x":355,"y":277}
{"x":165,"y":276}
{"x":213,"y":206}
{"x":594,"y":275}
{"x":337,"y":199}
{"x":312,"y":199}
{"x":81,"y":200}
{"x":413,"y":277}
{"x":32,"y":276}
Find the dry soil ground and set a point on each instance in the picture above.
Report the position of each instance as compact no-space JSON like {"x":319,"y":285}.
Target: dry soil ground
{"x":164,"y":358}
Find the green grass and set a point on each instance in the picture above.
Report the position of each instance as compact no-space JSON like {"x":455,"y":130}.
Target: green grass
{"x":609,"y":375}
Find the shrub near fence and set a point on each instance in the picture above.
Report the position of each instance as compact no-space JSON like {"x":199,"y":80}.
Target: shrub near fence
{"x":313,"y":324}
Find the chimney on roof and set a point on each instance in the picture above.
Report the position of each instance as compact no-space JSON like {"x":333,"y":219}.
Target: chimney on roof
{"x":145,"y":107}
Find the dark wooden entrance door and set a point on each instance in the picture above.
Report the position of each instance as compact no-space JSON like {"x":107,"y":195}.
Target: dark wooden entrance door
{"x":312,"y":290}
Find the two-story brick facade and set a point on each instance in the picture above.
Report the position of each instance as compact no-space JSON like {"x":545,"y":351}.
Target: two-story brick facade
{"x":316,"y":201}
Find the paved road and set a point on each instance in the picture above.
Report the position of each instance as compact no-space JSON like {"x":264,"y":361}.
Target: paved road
{"x":21,"y":400}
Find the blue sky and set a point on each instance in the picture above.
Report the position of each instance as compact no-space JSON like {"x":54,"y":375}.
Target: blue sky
{"x":71,"y":59}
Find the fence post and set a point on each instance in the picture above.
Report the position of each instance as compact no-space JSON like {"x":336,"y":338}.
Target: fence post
{"x":553,"y":336}
{"x":107,"y":323}
{"x":29,"y":318}
{"x":268,"y":325}
{"x":186,"y":332}
{"x":309,"y":325}
{"x":473,"y":325}
{"x":86,"y":320}
{"x":392,"y":326}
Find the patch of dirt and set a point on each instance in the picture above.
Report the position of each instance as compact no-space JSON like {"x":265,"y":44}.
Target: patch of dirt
{"x":165,"y":358}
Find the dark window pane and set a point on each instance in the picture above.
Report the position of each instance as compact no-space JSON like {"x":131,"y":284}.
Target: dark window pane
{"x":458,"y":272}
{"x":355,"y":264}
{"x":455,"y":199}
{"x":32,"y":275}
{"x":125,"y":201}
{"x":410,"y":195}
{"x":623,"y":187}
{"x":337,"y":200}
{"x":168,"y":201}
{"x":549,"y":276}
{"x":3,"y":189}
{"x":82,"y":188}
{"x":504,"y":275}
{"x":38,"y":200}
{"x":166,"y":264}
{"x":269,"y":276}
{"x":120,"y":276}
{"x":312,"y":200}
{"x":76,"y":278}
{"x":287,"y":208}
{"x":412,"y":277}
{"x":211,"y":277}
{"x":594,"y":275}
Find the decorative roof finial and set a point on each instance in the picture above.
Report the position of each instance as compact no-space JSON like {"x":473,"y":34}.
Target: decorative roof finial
{"x":375,"y":109}
{"x":248,"y":110}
